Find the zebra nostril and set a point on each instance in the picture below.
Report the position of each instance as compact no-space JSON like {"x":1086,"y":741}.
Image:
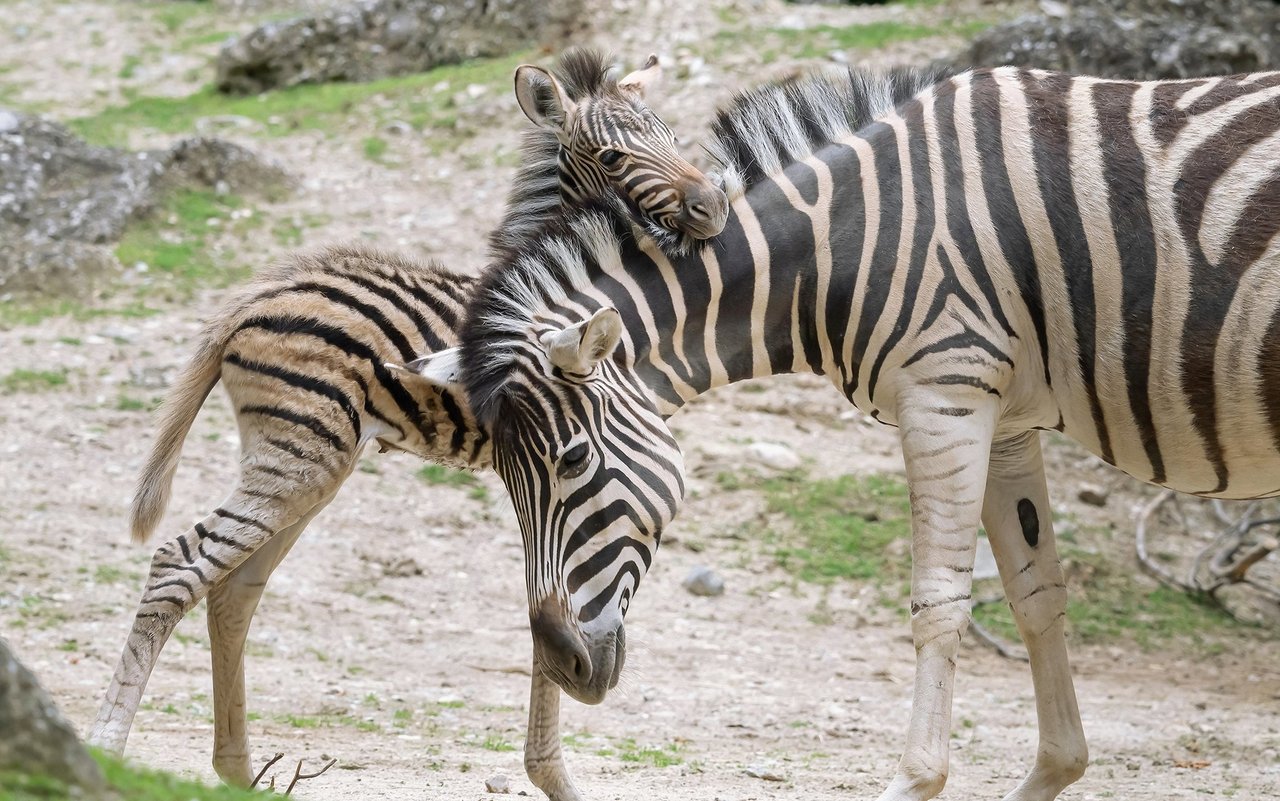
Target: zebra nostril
{"x":698,"y":211}
{"x":577,"y":667}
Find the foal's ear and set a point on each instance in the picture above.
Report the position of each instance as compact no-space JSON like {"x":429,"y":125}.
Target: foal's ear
{"x":441,"y":370}
{"x":580,"y":347}
{"x":542,"y":99}
{"x":644,"y":79}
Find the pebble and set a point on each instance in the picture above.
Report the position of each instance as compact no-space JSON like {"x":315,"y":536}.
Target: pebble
{"x":8,"y":121}
{"x":766,"y":773}
{"x":704,"y":581}
{"x":774,"y":455}
{"x":497,"y":784}
{"x":1092,"y":495}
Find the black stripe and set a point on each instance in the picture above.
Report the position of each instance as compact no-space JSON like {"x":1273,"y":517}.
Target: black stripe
{"x":305,"y":420}
{"x":1006,"y":217}
{"x":1047,"y":109}
{"x":1125,"y":173}
{"x":339,"y":297}
{"x":307,"y":383}
{"x":337,"y":338}
{"x":248,"y":521}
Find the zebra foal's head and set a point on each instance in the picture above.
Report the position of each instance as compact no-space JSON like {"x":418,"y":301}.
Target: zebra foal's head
{"x":593,"y":473}
{"x":610,"y":138}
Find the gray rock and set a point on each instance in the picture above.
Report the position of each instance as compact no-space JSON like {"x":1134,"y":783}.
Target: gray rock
{"x":1146,"y":39}
{"x":497,"y":784}
{"x":34,"y":738}
{"x":64,"y":201}
{"x":774,"y":455}
{"x":8,"y":121}
{"x":703,"y":581}
{"x":377,"y":38}
{"x":984,"y":562}
{"x":1092,"y":495}
{"x":766,"y":772}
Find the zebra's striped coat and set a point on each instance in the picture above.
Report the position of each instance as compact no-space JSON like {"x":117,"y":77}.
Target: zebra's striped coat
{"x":969,"y":259}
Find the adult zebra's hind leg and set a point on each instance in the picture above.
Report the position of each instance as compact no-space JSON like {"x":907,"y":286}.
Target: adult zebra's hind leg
{"x":946,"y":440}
{"x":182,"y":572}
{"x":1018,"y":520}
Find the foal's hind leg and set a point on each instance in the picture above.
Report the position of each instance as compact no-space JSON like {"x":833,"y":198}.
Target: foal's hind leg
{"x":182,"y":572}
{"x":232,"y":604}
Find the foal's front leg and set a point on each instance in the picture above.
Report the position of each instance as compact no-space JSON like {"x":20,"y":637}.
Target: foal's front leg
{"x":542,"y":758}
{"x":946,"y":443}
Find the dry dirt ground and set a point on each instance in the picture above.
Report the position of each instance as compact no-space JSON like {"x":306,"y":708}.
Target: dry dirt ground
{"x":394,"y":638}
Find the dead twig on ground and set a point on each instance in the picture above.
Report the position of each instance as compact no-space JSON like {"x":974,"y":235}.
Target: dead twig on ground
{"x":1223,"y":562}
{"x":273,"y":760}
{"x":298,"y":775}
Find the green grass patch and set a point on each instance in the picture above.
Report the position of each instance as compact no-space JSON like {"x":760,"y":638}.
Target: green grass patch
{"x":441,"y":476}
{"x":310,"y":107}
{"x":1106,"y":605}
{"x":820,"y":40}
{"x":628,"y":750}
{"x":375,"y":147}
{"x":835,"y":528}
{"x":496,"y":743}
{"x":174,"y":242}
{"x":23,"y":380}
{"x":25,"y":312}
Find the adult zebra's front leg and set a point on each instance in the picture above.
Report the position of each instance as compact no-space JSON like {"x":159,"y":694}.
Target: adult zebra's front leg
{"x":946,"y":441}
{"x":1018,"y":520}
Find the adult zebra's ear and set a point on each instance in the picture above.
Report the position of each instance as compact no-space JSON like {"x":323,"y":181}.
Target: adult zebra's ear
{"x":542,"y":99}
{"x":580,"y":347}
{"x":643,"y":79}
{"x":441,"y":369}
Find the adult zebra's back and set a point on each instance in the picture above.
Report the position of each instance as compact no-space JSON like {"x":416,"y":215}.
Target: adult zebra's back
{"x":969,"y":260}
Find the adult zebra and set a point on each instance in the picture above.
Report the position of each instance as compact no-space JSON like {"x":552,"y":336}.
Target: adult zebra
{"x":301,"y":353}
{"x":969,"y":259}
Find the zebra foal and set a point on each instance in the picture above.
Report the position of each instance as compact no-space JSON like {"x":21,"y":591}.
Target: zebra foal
{"x":302,"y":351}
{"x":970,"y":259}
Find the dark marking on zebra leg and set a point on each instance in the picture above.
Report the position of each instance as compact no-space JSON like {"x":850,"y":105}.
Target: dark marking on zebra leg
{"x":1030,"y":522}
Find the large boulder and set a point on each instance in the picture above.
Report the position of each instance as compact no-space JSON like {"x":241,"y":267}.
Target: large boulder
{"x":1146,"y":39}
{"x":34,"y":738}
{"x":378,"y":38}
{"x":63,"y":202}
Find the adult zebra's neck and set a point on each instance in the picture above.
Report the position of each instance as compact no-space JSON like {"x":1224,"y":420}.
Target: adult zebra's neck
{"x":784,"y":288}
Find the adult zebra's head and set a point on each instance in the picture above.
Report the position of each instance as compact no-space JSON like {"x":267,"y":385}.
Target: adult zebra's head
{"x":593,"y":474}
{"x":610,"y":139}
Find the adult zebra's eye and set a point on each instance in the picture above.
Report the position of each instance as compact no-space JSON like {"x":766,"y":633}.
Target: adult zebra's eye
{"x":610,"y":158}
{"x":574,"y":461}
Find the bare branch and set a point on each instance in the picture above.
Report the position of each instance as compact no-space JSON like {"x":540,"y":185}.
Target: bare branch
{"x":279,"y":756}
{"x":298,"y":775}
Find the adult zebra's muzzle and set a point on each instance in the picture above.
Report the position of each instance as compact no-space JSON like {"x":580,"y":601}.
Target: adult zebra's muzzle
{"x":586,"y":666}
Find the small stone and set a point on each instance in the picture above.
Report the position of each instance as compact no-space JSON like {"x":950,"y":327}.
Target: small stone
{"x":704,"y":581}
{"x":1092,"y":495}
{"x":767,"y":773}
{"x":8,"y":121}
{"x":774,"y":455}
{"x":403,"y":568}
{"x":497,"y":784}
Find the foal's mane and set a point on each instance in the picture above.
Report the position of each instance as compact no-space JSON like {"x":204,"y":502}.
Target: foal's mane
{"x":534,"y":199}
{"x":756,"y":135}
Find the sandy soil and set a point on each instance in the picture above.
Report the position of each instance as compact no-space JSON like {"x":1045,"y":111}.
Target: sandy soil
{"x":395,"y":637}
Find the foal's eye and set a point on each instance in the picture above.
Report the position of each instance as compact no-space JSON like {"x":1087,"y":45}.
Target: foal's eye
{"x":610,"y":158}
{"x":573,"y":462}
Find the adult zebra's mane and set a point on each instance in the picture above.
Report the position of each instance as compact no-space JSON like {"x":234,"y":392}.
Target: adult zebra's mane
{"x":534,"y":198}
{"x":766,"y":128}
{"x":758,"y":134}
